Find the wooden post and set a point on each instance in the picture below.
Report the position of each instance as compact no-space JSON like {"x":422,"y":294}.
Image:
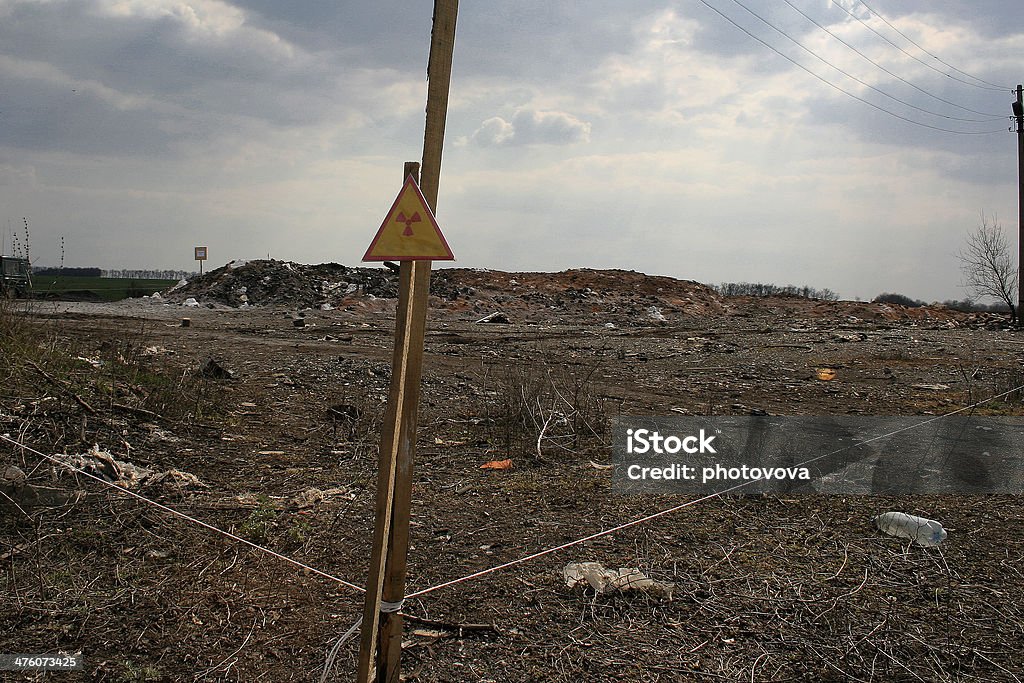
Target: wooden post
{"x":398,"y":440}
{"x":381,"y":638}
{"x":439,"y":70}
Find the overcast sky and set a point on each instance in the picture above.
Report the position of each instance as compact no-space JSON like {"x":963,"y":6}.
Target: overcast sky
{"x":650,"y":135}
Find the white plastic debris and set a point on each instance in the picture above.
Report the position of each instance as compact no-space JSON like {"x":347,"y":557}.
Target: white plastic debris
{"x":190,"y":302}
{"x":496,"y":317}
{"x":924,"y":532}
{"x":623,"y":579}
{"x":654,"y":313}
{"x":128,"y":475}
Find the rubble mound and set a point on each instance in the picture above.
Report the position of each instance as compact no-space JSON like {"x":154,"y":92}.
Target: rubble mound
{"x":583,"y":291}
{"x":623,"y":296}
{"x":618,"y":297}
{"x":283,"y":283}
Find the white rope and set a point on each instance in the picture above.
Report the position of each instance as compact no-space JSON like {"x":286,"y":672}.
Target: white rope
{"x":648,"y":518}
{"x":182,"y":515}
{"x":391,"y":607}
{"x":332,"y":654}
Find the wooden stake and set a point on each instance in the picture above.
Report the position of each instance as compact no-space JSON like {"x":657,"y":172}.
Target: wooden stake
{"x":398,"y":436}
{"x":439,"y":78}
{"x":439,"y":71}
{"x":381,"y":645}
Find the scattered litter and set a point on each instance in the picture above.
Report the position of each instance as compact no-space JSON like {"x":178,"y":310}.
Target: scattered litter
{"x":623,"y":579}
{"x":214,"y":369}
{"x":654,"y":313}
{"x":496,"y":317}
{"x":176,"y":479}
{"x":438,"y":441}
{"x":190,"y":302}
{"x":314,"y":496}
{"x":931,"y":387}
{"x":924,"y":532}
{"x":103,"y":465}
{"x":598,"y":466}
{"x":497,"y":465}
{"x":95,"y":362}
{"x":128,"y":475}
{"x":826,"y":374}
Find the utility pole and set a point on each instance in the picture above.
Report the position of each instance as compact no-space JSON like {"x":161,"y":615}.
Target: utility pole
{"x":1018,"y":112}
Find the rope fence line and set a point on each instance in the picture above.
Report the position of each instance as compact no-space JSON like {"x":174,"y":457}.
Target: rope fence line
{"x":188,"y":518}
{"x":512,"y":563}
{"x":711,"y":496}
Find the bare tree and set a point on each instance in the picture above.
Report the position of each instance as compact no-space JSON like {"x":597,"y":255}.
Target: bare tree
{"x":987,"y":265}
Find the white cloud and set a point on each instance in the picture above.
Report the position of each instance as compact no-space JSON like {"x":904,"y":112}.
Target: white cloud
{"x":493,"y":131}
{"x":531,"y":127}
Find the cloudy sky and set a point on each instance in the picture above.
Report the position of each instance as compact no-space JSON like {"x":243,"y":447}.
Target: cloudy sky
{"x":650,"y":135}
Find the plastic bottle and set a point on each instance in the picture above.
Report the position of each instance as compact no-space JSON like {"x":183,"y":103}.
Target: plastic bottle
{"x":924,"y":532}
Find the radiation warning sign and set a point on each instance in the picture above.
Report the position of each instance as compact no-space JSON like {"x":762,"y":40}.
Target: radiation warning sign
{"x":409,"y":233}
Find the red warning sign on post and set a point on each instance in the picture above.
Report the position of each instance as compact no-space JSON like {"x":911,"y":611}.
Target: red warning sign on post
{"x":409,"y":233}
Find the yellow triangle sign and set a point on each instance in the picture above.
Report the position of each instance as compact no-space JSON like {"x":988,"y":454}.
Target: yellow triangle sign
{"x":409,"y":233}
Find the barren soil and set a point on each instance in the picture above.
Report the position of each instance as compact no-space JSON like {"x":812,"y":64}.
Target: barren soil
{"x":767,"y":588}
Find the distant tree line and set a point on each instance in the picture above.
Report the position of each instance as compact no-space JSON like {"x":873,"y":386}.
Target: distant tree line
{"x":762,"y":289}
{"x":965,"y":305}
{"x":149,"y":274}
{"x":70,"y":272}
{"x":122,"y":273}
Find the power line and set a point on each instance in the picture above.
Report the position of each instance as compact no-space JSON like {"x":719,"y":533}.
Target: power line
{"x":926,"y":51}
{"x":851,"y":76}
{"x":896,"y":76}
{"x":840,"y":89}
{"x":915,"y":57}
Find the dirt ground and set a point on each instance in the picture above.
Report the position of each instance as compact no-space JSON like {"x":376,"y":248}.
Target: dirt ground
{"x":284,"y":455}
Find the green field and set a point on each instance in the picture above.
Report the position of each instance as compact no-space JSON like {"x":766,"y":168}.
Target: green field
{"x":94,"y":288}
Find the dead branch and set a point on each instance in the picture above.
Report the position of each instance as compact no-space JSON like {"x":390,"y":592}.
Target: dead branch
{"x":63,"y":386}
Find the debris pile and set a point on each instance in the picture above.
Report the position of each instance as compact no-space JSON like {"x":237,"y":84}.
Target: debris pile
{"x":620,"y":297}
{"x":269,"y":282}
{"x":621,"y":294}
